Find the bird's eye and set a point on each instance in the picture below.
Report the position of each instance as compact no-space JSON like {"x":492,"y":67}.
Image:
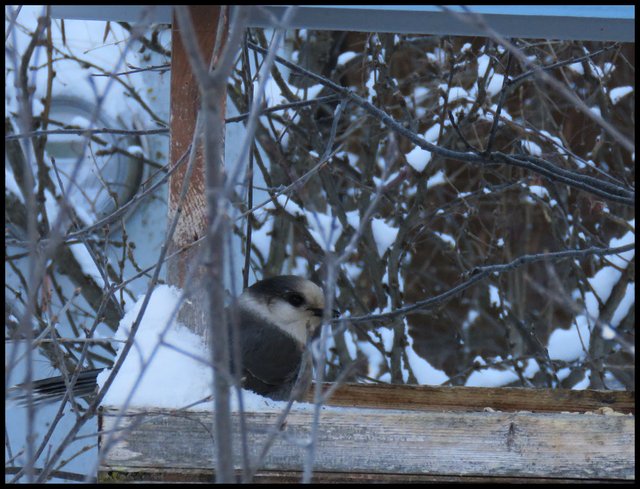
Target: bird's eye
{"x":296,"y":300}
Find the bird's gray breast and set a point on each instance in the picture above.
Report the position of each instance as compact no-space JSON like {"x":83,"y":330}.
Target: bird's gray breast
{"x":270,"y":357}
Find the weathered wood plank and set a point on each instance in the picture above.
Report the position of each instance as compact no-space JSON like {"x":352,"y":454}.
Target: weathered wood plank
{"x":293,"y":477}
{"x":388,"y":442}
{"x":424,"y":397}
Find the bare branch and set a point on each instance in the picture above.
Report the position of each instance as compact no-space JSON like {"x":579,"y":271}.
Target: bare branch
{"x":480,"y":273}
{"x":608,"y":191}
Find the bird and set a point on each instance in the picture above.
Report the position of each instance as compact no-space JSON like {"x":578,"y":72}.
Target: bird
{"x":277,"y":318}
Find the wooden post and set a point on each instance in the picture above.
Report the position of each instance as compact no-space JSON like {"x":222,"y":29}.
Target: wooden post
{"x":185,"y":102}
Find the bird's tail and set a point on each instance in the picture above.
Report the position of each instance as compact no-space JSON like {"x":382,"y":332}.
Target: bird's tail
{"x":54,"y":388}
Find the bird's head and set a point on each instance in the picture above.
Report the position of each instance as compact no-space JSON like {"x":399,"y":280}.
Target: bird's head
{"x":292,"y":303}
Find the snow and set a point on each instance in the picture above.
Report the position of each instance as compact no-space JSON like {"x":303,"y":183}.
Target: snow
{"x":353,"y":218}
{"x":608,"y":68}
{"x":272,"y":95}
{"x":566,"y":344}
{"x":504,"y":114}
{"x":345,"y":57}
{"x":437,"y":178}
{"x":538,"y":190}
{"x":584,"y":383}
{"x":11,"y":185}
{"x":418,"y":158}
{"x":370,"y":87}
{"x":432,"y":133}
{"x":350,"y":343}
{"x":386,"y":334}
{"x":603,"y":281}
{"x":135,"y":149}
{"x":420,"y":112}
{"x":389,"y":178}
{"x":488,"y":115}
{"x":172,"y":379}
{"x":80,"y":121}
{"x":420,"y":94}
{"x":563,"y":373}
{"x":447,"y":238}
{"x":531,"y":368}
{"x":622,"y":259}
{"x":494,"y":296}
{"x":497,"y":377}
{"x":472,"y":315}
{"x":86,"y":262}
{"x":438,"y":56}
{"x":313,"y":91}
{"x":353,"y":271}
{"x":325,"y":229}
{"x":483,"y":64}
{"x":261,"y":238}
{"x":495,"y":85}
{"x":531,"y":148}
{"x":607,"y":333}
{"x":353,"y":159}
{"x":616,"y":94}
{"x":51,"y":205}
{"x":424,"y":372}
{"x":375,"y":358}
{"x":455,"y":93}
{"x":596,"y":110}
{"x":597,"y":71}
{"x":576,"y":68}
{"x":627,"y":302}
{"x":383,"y":234}
{"x":288,"y":205}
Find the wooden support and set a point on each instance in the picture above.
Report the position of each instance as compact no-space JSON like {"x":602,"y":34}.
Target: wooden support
{"x":405,"y":439}
{"x":185,"y":103}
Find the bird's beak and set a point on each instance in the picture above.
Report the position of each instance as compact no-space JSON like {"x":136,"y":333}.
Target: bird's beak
{"x":319,"y":312}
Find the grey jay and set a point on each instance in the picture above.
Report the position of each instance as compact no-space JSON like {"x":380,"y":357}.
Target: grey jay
{"x":276,"y":319}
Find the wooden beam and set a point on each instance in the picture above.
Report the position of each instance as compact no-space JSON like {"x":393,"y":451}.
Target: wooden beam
{"x":434,"y":398}
{"x":293,"y":477}
{"x":384,"y":445}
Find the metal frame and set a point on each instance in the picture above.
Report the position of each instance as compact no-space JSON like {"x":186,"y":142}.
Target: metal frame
{"x":564,"y":22}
